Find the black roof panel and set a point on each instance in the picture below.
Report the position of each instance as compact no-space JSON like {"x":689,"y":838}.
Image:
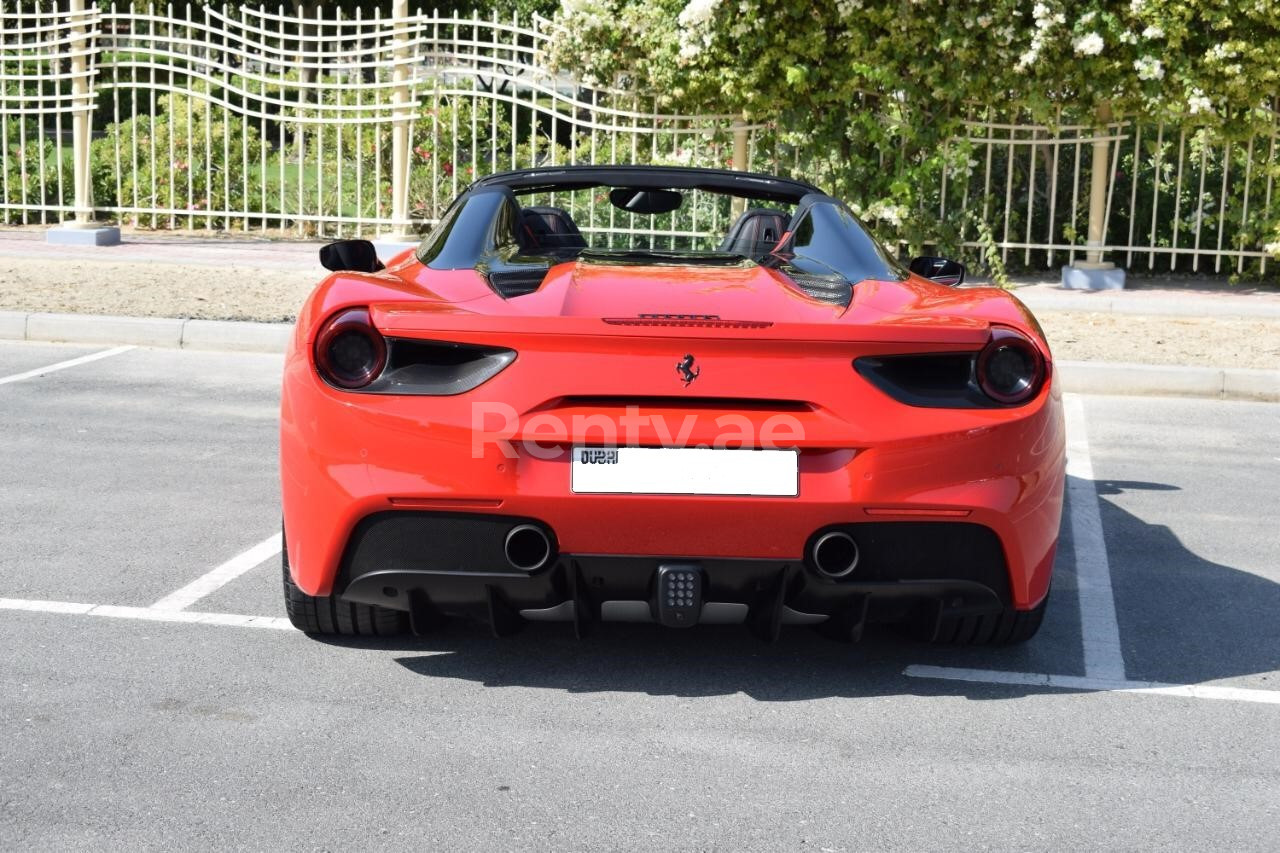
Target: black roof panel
{"x":564,"y":178}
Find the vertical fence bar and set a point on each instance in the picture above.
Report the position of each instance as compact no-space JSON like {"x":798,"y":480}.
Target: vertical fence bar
{"x":1177,"y":200}
{"x":1204,"y":168}
{"x":1271,"y":171}
{"x":1075,"y":202}
{"x":1051,"y":239}
{"x":1155,"y":194}
{"x":1031,"y":193}
{"x":6,"y":199}
{"x":1244,"y":214}
{"x":1133,"y":189}
{"x":1009,"y":163}
{"x":400,"y":121}
{"x":1222,"y":205}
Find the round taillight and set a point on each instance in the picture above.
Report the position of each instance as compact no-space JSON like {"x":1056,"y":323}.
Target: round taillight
{"x":1010,"y":368}
{"x":350,"y":352}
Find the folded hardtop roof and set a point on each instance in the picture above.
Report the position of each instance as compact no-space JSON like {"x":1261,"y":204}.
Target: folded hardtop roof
{"x":564,"y":178}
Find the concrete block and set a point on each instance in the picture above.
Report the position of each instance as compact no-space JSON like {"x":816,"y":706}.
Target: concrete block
{"x":13,"y":325}
{"x":70,"y":235}
{"x":388,"y":248}
{"x":236,"y":336}
{"x":1077,"y":278}
{"x":94,"y":329}
{"x":1088,"y":377}
{"x":1240,"y":383}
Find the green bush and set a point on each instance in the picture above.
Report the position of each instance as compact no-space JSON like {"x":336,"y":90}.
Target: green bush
{"x":190,"y":157}
{"x":30,"y":174}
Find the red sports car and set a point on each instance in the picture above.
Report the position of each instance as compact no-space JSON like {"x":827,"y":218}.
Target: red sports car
{"x":570,"y":403}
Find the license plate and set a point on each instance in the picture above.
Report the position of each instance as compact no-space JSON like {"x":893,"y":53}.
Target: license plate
{"x":684,"y":471}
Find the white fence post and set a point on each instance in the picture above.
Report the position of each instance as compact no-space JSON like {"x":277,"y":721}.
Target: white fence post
{"x":1093,"y":273}
{"x":82,"y":230}
{"x":740,"y":164}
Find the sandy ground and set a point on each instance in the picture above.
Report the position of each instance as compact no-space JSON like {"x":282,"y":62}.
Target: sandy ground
{"x":203,"y":291}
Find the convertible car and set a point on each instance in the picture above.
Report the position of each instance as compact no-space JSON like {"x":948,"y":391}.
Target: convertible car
{"x":682,"y":396}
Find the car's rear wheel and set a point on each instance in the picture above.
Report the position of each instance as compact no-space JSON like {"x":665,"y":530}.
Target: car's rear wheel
{"x":1007,"y":628}
{"x":331,"y":615}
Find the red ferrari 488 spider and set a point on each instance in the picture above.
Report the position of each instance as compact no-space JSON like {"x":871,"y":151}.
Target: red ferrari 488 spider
{"x":685,"y":396}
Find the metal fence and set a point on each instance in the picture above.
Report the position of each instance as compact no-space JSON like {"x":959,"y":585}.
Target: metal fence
{"x":259,"y":119}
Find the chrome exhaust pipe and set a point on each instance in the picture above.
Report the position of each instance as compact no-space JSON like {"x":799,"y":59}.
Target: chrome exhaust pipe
{"x":527,"y":547}
{"x":835,"y":554}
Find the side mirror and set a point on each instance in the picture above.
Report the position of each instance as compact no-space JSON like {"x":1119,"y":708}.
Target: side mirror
{"x":941,"y":270}
{"x":354,"y":255}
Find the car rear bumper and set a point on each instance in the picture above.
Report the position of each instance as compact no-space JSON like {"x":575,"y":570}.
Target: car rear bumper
{"x":435,"y":564}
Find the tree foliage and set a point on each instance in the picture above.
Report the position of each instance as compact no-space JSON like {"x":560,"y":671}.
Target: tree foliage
{"x":873,"y":92}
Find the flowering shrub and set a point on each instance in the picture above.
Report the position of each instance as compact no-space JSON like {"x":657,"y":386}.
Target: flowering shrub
{"x":872,"y":93}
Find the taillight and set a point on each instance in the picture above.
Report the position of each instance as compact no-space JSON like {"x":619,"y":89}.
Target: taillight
{"x":1010,"y":369}
{"x":350,"y":352}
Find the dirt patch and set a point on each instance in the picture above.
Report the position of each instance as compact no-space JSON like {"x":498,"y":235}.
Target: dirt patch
{"x":154,"y":289}
{"x":1211,"y":341}
{"x":157,"y":289}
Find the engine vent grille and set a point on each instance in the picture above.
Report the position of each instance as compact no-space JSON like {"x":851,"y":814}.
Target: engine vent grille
{"x":831,"y":289}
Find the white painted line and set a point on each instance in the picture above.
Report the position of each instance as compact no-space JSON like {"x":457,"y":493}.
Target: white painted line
{"x":150,"y":614}
{"x":1075,"y":682}
{"x":1099,"y":628}
{"x":63,"y":365}
{"x":221,"y":576}
{"x":44,"y":606}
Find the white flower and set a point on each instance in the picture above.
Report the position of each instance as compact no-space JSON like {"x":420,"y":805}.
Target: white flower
{"x":1153,"y":32}
{"x":984,"y":21}
{"x":1198,"y":103}
{"x":1272,"y":249}
{"x":1087,"y":18}
{"x":1088,"y":45}
{"x":1220,"y":52}
{"x":891,"y":213}
{"x":1028,"y":59}
{"x":698,"y":12}
{"x":1135,"y":6}
{"x":1041,"y":11}
{"x":1127,"y":37}
{"x":1149,"y":68}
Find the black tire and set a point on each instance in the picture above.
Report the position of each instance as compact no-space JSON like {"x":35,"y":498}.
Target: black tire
{"x":1007,"y":628}
{"x":329,"y":615}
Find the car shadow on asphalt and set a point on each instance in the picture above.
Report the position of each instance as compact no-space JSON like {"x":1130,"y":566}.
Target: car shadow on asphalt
{"x":1183,"y":620}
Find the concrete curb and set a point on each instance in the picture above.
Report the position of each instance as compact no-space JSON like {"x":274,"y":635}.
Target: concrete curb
{"x":146,"y":331}
{"x":1084,"y":377}
{"x":1105,"y":302}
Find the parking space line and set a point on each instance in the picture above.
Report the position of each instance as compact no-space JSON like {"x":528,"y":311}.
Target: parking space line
{"x":149,"y":614}
{"x":63,"y":365}
{"x":1099,"y":627}
{"x":1095,"y":685}
{"x":221,"y":576}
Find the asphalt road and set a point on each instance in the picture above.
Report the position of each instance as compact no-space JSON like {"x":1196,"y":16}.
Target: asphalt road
{"x":126,"y":478}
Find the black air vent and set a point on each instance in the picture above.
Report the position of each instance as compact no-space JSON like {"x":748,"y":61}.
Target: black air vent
{"x":517,"y":282}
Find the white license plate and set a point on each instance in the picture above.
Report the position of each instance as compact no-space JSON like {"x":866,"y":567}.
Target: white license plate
{"x":684,"y":471}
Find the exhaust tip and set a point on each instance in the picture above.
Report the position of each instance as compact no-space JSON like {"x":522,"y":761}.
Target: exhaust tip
{"x":527,"y":547}
{"x":835,"y":554}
